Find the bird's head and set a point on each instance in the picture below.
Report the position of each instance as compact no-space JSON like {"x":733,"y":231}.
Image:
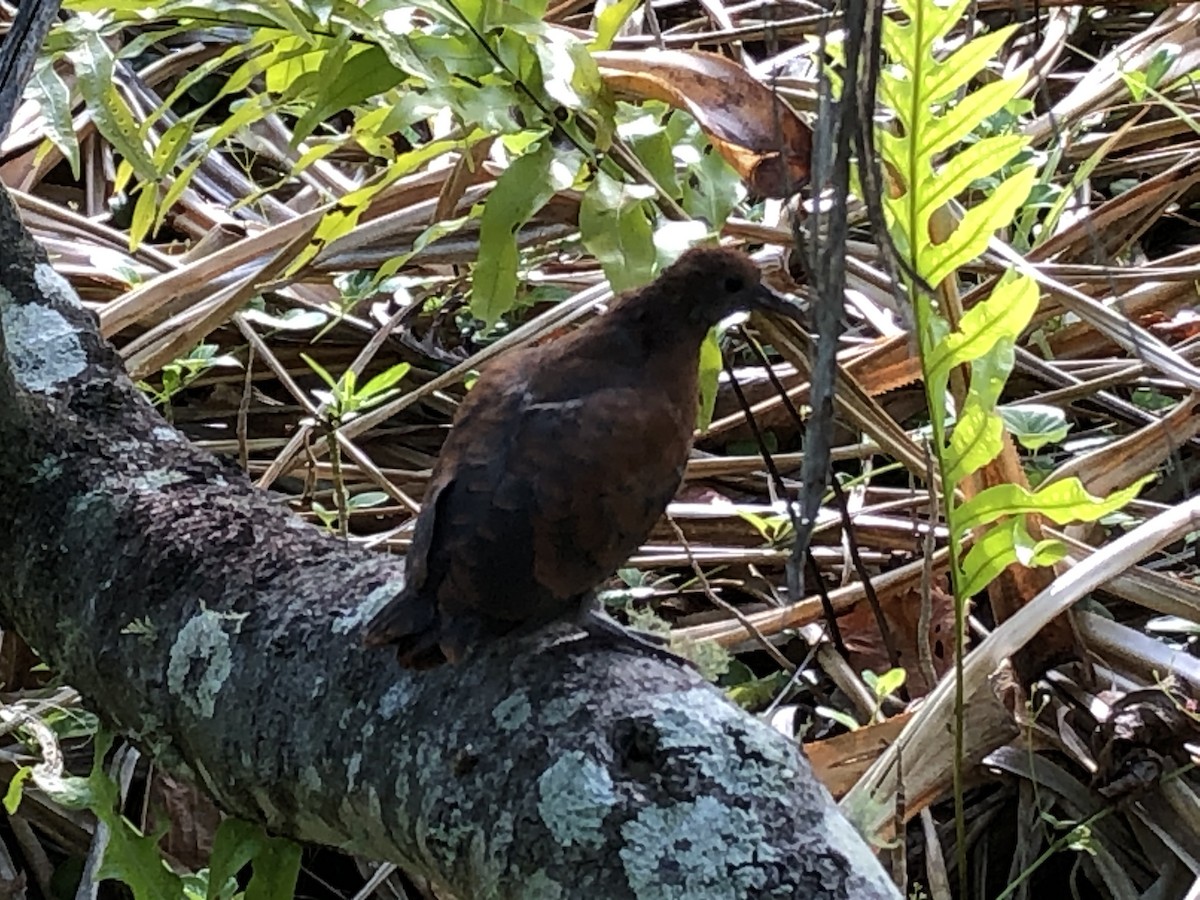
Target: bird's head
{"x":706,"y":284}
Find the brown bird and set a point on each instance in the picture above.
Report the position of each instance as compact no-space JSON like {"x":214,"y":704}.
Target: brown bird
{"x":561,"y":459}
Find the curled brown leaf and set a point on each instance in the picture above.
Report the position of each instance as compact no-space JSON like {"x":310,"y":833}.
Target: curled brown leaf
{"x":758,"y":134}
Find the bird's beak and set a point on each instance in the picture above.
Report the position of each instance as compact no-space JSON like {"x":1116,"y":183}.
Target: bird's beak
{"x":768,"y":300}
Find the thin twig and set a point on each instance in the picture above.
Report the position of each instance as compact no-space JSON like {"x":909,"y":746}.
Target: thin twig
{"x":773,"y":651}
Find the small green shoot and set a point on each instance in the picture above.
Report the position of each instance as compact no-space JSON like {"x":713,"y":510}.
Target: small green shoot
{"x":344,"y":400}
{"x":179,"y":373}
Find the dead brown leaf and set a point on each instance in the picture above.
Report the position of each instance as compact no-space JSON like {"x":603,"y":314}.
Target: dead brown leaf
{"x":756,"y":132}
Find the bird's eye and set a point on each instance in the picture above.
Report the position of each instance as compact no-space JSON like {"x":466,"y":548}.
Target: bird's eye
{"x":734,"y":284}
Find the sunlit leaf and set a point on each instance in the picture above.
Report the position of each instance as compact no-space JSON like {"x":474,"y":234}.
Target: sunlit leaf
{"x":54,"y":101}
{"x":977,"y":226}
{"x":609,"y":21}
{"x":361,"y":75}
{"x":95,"y":66}
{"x":1035,"y":424}
{"x":520,"y":192}
{"x":998,"y":548}
{"x":12,"y":797}
{"x":616,"y":227}
{"x":384,"y":381}
{"x":710,"y":372}
{"x":1002,"y":316}
{"x":1061,"y":502}
{"x":976,"y":440}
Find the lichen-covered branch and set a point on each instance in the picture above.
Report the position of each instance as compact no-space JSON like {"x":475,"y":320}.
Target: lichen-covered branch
{"x":222,"y":634}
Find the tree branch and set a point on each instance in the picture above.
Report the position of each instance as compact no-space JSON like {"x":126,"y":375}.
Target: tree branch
{"x":221,"y":634}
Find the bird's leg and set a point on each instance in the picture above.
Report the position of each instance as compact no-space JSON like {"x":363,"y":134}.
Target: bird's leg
{"x":601,"y":627}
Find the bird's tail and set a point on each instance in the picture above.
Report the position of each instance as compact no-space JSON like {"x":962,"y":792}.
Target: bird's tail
{"x":410,"y":624}
{"x":421,"y":636}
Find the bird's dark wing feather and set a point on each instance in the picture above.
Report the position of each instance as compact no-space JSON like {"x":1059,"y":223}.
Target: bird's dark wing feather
{"x":594,"y":511}
{"x":452,"y":517}
{"x":532,"y":504}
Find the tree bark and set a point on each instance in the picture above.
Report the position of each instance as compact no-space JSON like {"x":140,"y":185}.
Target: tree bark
{"x":221,"y":634}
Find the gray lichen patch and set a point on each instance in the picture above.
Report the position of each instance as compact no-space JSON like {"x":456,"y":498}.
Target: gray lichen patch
{"x":365,"y":611}
{"x":167,"y":434}
{"x":353,"y":764}
{"x":394,"y":698}
{"x":699,"y":850}
{"x":541,"y":886}
{"x":511,"y":713}
{"x":310,"y":779}
{"x":156,"y":479}
{"x":43,"y":348}
{"x":201,"y":659}
{"x":574,"y":796}
{"x":747,"y":757}
{"x":53,"y":286}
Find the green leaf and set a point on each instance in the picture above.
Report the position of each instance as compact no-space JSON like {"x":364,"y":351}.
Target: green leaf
{"x":886,"y":683}
{"x":54,"y":99}
{"x":321,"y":371}
{"x":12,"y":797}
{"x":130,"y":857}
{"x":1061,"y":502}
{"x":520,"y":192}
{"x":191,"y":80}
{"x":173,"y":142}
{"x":1139,"y":83}
{"x":756,"y":693}
{"x":569,"y":74}
{"x":95,"y":68}
{"x":710,"y":372}
{"x":960,"y":67}
{"x":616,"y":227}
{"x":609,"y":22}
{"x":235,"y":844}
{"x":275,"y":871}
{"x":999,"y":547}
{"x":942,"y":132}
{"x":275,"y":862}
{"x":1033,"y":554}
{"x":367,"y":499}
{"x":978,"y":224}
{"x":980,"y":159}
{"x":243,"y":113}
{"x":844,"y":719}
{"x":650,"y":143}
{"x":990,"y":555}
{"x":134,"y":858}
{"x":364,"y":74}
{"x":1035,"y":424}
{"x":343,"y":219}
{"x":143,"y":213}
{"x":1002,"y":316}
{"x":178,"y":186}
{"x":383,"y":382}
{"x":713,"y":191}
{"x":433,"y":233}
{"x":976,"y":440}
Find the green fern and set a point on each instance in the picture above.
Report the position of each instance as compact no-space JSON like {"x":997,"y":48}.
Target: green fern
{"x":928,"y":91}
